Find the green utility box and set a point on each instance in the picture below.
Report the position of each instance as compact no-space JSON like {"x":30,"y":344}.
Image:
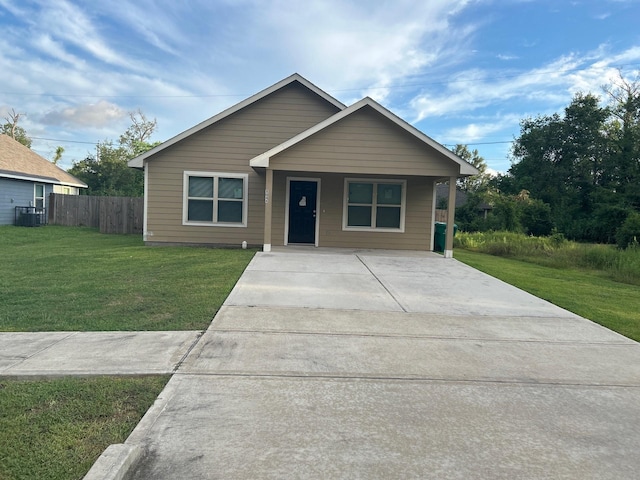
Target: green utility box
{"x":441,"y":235}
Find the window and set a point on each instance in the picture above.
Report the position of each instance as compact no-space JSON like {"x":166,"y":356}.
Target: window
{"x":38,"y":197}
{"x":375,"y":205}
{"x":215,"y":199}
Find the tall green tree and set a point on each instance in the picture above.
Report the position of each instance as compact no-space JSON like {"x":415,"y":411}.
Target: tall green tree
{"x":563,"y":161}
{"x":474,"y":183}
{"x":584,"y":164}
{"x":107,"y":172}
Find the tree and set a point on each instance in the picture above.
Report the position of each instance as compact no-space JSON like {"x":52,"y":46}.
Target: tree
{"x":474,"y":183}
{"x":565,"y":162}
{"x":107,"y":172}
{"x":12,"y":129}
{"x":624,"y":96}
{"x":629,"y":233}
{"x":58,"y":155}
{"x":135,"y":138}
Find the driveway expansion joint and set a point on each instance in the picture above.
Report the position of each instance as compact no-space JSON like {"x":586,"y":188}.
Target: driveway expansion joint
{"x":407,"y":378}
{"x":381,"y":283}
{"x":419,"y":336}
{"x":186,"y":354}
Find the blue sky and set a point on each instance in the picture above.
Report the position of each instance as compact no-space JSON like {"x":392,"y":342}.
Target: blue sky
{"x":462,"y":71}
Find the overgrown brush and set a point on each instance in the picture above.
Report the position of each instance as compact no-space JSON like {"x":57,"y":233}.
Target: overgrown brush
{"x":556,"y":251}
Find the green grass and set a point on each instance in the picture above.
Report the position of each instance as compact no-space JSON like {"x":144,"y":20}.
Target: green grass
{"x":56,"y":429}
{"x":555,"y":251}
{"x":588,"y":293}
{"x":65,"y":278}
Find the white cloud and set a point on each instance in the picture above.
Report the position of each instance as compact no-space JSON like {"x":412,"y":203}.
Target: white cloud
{"x":507,"y":57}
{"x":48,"y":46}
{"x":154,"y":21}
{"x":554,"y":82}
{"x":481,"y":128}
{"x":68,"y":23}
{"x":345,"y":45}
{"x":11,"y":7}
{"x":92,"y":115}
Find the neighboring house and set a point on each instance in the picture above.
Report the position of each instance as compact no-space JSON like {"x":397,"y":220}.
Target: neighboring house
{"x":293,"y":165}
{"x":27,"y":179}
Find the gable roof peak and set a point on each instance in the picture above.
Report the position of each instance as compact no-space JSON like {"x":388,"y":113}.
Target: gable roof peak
{"x":262,"y":160}
{"x":138,"y":162}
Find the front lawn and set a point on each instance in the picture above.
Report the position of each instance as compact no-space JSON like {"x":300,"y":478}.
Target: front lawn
{"x":56,"y":429}
{"x":66,"y":278}
{"x":587,"y":293}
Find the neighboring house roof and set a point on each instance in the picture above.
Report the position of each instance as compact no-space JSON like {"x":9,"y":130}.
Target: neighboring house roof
{"x":21,"y":163}
{"x":138,"y":162}
{"x":442,"y":193}
{"x":262,"y":160}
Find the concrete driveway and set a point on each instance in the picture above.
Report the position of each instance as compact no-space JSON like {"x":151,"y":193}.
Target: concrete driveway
{"x":336,"y":364}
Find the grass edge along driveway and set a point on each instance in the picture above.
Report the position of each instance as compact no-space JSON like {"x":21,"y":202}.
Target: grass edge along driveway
{"x":586,"y":293}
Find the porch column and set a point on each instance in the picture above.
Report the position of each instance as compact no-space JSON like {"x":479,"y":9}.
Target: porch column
{"x":451,"y":213}
{"x":268,"y":195}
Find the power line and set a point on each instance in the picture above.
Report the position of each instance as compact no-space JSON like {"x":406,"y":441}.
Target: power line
{"x":63,"y":141}
{"x":479,"y":143}
{"x":358,"y":89}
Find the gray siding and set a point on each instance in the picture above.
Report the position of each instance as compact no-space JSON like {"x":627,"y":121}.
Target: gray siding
{"x":17,"y":193}
{"x":365,"y":142}
{"x":227,"y":146}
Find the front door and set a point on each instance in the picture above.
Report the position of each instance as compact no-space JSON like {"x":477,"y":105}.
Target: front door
{"x":302,"y":211}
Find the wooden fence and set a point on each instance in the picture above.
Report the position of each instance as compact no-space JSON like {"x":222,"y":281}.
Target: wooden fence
{"x":441,"y":215}
{"x":109,"y":214}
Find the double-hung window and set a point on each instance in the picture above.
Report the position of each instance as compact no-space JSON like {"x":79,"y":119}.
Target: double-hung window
{"x":374,"y":205}
{"x":212,"y":198}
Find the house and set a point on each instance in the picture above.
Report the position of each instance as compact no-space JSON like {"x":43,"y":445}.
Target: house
{"x":293,"y":165}
{"x":27,"y":179}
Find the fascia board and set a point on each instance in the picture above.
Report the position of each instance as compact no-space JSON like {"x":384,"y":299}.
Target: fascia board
{"x":52,"y":181}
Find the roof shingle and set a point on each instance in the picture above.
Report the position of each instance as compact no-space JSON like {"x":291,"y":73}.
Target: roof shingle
{"x":16,"y":160}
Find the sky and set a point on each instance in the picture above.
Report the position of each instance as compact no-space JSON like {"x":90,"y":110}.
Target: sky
{"x":461,"y":71}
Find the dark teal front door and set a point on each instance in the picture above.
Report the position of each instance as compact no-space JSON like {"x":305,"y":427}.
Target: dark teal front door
{"x":302,"y":211}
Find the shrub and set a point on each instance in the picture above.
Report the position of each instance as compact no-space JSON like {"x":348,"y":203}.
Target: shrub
{"x":629,"y":232}
{"x":535,"y":216}
{"x":605,"y":223}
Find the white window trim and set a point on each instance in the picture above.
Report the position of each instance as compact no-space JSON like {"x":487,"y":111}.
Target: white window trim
{"x":185,"y":198}
{"x":374,"y":181}
{"x":43,"y":197}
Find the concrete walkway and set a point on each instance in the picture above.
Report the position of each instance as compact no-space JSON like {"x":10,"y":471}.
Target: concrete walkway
{"x":56,"y":354}
{"x":327,"y":364}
